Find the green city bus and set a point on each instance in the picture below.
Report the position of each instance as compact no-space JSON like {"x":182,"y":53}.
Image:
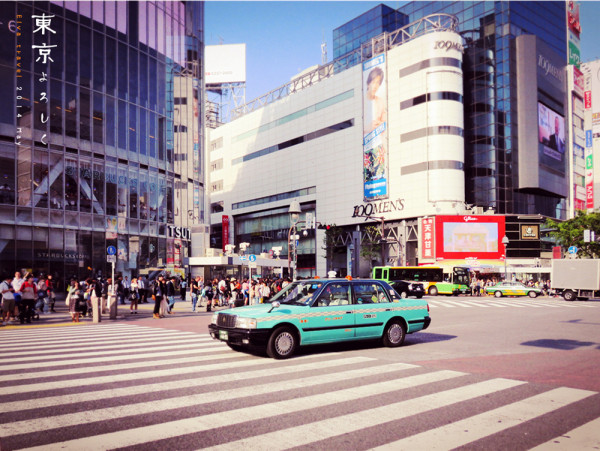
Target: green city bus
{"x":435,"y":279}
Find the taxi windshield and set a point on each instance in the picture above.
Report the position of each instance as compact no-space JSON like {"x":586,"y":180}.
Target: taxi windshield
{"x":299,"y":293}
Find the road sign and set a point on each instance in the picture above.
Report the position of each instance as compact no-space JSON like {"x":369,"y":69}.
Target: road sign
{"x":573,"y":249}
{"x":111,"y":250}
{"x":243,"y":258}
{"x":252,"y":265}
{"x":111,"y":258}
{"x":252,"y":257}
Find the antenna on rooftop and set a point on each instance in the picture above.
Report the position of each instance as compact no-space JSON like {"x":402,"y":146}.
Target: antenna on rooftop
{"x":323,"y":50}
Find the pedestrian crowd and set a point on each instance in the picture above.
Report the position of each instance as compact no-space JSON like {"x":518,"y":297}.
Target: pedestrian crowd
{"x":25,"y":297}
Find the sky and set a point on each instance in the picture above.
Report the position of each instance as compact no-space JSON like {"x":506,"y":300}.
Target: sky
{"x":284,"y":38}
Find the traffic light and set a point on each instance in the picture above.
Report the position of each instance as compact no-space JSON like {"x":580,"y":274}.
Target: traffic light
{"x":323,"y":226}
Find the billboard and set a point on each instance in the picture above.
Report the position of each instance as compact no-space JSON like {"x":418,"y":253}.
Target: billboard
{"x":551,"y":136}
{"x":225,"y":63}
{"x":469,"y":237}
{"x":573,"y":18}
{"x":375,"y":148}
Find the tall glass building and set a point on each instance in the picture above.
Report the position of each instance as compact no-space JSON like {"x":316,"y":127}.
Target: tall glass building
{"x":101,"y":138}
{"x":489,"y":30}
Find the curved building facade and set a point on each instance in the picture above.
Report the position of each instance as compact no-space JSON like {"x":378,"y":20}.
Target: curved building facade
{"x":383,"y":137}
{"x":101,"y":138}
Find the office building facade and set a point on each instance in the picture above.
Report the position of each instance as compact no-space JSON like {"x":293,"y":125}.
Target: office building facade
{"x":461,"y":137}
{"x":101,"y":135}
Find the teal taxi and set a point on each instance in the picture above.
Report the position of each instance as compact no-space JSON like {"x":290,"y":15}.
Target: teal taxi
{"x":513,"y":289}
{"x":319,"y":311}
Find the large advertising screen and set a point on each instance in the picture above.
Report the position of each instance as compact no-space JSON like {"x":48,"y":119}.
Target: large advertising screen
{"x":551,"y":136}
{"x":225,"y":63}
{"x":469,"y":237}
{"x":375,"y":153}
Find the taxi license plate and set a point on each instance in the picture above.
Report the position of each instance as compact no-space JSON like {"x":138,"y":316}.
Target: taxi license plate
{"x":223,"y":335}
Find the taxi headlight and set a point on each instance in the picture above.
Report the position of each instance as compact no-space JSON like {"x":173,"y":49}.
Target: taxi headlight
{"x":214,"y":318}
{"x":245,"y":323}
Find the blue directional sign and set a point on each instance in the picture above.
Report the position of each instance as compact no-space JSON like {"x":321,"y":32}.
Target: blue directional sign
{"x":252,"y":257}
{"x":243,"y":258}
{"x":111,"y":250}
{"x":573,"y":249}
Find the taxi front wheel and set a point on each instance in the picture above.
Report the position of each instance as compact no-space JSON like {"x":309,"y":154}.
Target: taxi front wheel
{"x":498,"y":294}
{"x":282,"y":343}
{"x":394,"y":334}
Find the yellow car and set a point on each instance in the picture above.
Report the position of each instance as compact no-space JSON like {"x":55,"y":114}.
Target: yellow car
{"x":513,"y":289}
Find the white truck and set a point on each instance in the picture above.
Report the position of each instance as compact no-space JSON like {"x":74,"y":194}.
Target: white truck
{"x":576,"y":279}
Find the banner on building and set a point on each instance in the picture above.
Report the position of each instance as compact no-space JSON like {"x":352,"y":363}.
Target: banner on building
{"x":225,"y":231}
{"x":427,"y":240}
{"x":375,"y":146}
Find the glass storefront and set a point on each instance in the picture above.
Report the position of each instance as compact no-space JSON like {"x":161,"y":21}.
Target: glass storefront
{"x":91,"y":152}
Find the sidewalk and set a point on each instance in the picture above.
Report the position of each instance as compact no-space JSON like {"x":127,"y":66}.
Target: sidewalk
{"x":62,"y":317}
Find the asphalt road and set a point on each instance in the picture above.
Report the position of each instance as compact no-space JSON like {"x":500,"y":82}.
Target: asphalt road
{"x":510,"y":373}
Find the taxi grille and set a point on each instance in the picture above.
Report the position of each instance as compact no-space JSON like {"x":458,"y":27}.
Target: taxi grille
{"x":225,"y":320}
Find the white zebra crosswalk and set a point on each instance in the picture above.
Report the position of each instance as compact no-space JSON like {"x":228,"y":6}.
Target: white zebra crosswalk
{"x":514,"y":302}
{"x":116,"y":386}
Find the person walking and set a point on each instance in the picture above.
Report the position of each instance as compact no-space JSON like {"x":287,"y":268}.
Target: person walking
{"x":142,"y":289}
{"x":28,"y":295}
{"x":209,"y":293}
{"x":134,"y":296}
{"x":8,"y":299}
{"x":194,"y":293}
{"x":43,"y":304}
{"x":75,"y":298}
{"x":51,"y":292}
{"x":171,"y":295}
{"x":182,"y":288}
{"x":158,"y":291}
{"x":120,"y":290}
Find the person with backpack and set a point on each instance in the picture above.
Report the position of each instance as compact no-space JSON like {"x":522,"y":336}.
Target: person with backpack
{"x":208,"y":292}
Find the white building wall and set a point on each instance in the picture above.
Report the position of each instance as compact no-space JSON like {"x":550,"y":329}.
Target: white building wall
{"x":333,"y":164}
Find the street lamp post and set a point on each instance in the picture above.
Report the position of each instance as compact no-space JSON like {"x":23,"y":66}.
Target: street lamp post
{"x":505,"y":242}
{"x":294,"y":212}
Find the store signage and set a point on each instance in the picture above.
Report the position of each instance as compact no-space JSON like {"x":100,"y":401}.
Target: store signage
{"x":427,"y":237}
{"x":587,"y":98}
{"x":180,"y":232}
{"x":550,"y":68}
{"x":448,"y":45}
{"x":530,"y":231}
{"x":365,"y":210}
{"x":588,"y":138}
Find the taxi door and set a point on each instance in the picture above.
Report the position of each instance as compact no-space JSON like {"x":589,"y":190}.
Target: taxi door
{"x":331,"y":317}
{"x":372,"y":307}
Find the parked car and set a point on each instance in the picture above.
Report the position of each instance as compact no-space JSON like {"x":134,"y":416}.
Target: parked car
{"x":317,"y":311}
{"x":512,"y":289}
{"x":406,"y":289}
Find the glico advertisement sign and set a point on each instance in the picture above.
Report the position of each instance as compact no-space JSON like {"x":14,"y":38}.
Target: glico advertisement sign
{"x":469,"y":237}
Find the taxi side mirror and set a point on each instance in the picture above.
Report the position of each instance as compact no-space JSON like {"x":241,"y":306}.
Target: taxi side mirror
{"x":274,"y":305}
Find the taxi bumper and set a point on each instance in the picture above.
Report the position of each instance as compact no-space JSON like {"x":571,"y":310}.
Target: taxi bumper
{"x":240,"y":337}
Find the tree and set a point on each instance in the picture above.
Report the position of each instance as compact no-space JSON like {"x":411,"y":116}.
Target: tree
{"x":570,"y":233}
{"x":332,"y":236}
{"x":371,"y":246}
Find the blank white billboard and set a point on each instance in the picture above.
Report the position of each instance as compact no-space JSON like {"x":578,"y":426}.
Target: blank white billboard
{"x":225,"y":63}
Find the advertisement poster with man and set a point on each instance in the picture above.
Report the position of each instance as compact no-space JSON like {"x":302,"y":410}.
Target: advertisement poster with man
{"x":551,"y":135}
{"x":375,"y":153}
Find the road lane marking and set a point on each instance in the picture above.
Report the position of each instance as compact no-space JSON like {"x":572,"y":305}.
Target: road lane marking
{"x":332,"y":427}
{"x":170,"y":429}
{"x":462,"y":432}
{"x":583,"y":437}
{"x":60,"y":400}
{"x":155,"y":406}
